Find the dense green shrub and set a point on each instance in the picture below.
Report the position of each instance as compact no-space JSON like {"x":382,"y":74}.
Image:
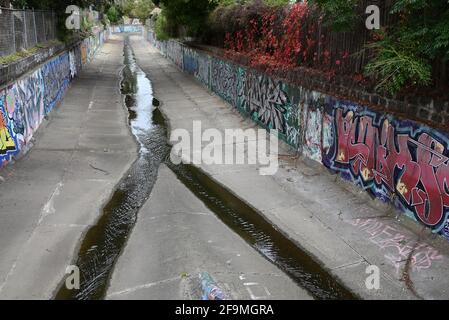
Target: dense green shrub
{"x":161,"y":27}
{"x":113,"y":14}
{"x":415,"y":41}
{"x":188,"y":15}
{"x":339,"y":14}
{"x":396,"y":65}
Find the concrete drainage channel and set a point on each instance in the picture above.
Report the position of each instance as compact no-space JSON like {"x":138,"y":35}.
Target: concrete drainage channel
{"x":104,"y":242}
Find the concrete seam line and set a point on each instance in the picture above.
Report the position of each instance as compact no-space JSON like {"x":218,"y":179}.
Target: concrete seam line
{"x":143,"y":286}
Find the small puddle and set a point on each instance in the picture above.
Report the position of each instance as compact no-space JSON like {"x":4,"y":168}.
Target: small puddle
{"x":104,"y":242}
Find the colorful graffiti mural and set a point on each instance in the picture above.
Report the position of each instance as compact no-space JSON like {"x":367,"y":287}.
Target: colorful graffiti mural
{"x":29,"y":97}
{"x":73,"y":66}
{"x":196,"y":64}
{"x":399,"y":161}
{"x":127,"y":29}
{"x":264,"y":100}
{"x":8,"y":146}
{"x":56,"y":74}
{"x":223,"y":80}
{"x":175,"y":53}
{"x":190,"y":61}
{"x":25,"y":103}
{"x":203,"y":72}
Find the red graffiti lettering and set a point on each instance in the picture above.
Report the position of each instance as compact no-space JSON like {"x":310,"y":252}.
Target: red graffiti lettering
{"x":416,"y":170}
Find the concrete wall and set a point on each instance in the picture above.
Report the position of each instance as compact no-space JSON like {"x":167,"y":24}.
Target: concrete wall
{"x":26,"y":101}
{"x":399,"y":161}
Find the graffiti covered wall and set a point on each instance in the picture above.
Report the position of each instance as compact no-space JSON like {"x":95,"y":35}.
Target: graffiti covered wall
{"x":175,"y":53}
{"x":196,"y":64}
{"x":8,"y":143}
{"x":56,"y":75}
{"x":25,"y":103}
{"x":223,"y":80}
{"x":398,"y":161}
{"x":401,"y":162}
{"x":131,"y":28}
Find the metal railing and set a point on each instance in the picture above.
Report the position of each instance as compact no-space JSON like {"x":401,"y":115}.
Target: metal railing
{"x":23,"y":29}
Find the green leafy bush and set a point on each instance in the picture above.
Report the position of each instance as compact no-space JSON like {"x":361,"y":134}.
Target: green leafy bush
{"x":415,"y":48}
{"x":188,"y":15}
{"x":338,"y":14}
{"x":426,"y":24}
{"x":396,"y":66}
{"x":113,"y":14}
{"x":161,"y":27}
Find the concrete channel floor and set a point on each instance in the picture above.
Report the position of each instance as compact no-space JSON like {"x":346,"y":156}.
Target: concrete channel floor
{"x":176,"y":238}
{"x":339,"y":225}
{"x":51,"y":196}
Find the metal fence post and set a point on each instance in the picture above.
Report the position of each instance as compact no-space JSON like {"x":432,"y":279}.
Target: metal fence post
{"x":43,"y":22}
{"x":53,"y":25}
{"x":34,"y":23}
{"x":24,"y":16}
{"x":13,"y":32}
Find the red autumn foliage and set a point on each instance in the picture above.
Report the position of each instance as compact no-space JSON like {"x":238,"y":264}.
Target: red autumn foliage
{"x":283,"y":40}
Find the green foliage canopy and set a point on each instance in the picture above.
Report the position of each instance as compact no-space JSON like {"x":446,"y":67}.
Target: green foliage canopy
{"x":140,"y":9}
{"x":113,"y":14}
{"x":190,"y":14}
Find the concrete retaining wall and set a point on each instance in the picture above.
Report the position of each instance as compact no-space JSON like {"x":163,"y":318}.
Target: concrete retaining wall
{"x":399,"y":161}
{"x":26,"y":101}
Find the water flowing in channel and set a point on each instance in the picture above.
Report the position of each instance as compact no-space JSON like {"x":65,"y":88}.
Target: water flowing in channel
{"x":104,"y":241}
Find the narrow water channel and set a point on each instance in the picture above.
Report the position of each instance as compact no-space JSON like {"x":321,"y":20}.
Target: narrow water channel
{"x":104,"y":242}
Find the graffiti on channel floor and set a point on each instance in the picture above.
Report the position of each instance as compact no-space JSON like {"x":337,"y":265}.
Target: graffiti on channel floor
{"x":397,"y":246}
